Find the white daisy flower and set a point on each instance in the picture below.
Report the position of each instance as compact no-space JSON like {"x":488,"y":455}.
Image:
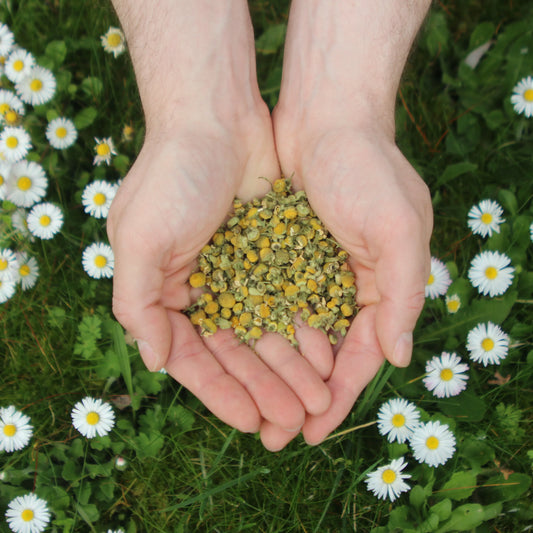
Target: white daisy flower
{"x":7,"y":289}
{"x":7,"y":40}
{"x":28,"y":270}
{"x":15,"y":429}
{"x":27,"y":183}
{"x":97,"y":197}
{"x":397,"y":418}
{"x":490,"y":273}
{"x":115,"y":531}
{"x":18,"y":219}
{"x":522,"y":98}
{"x":61,"y":133}
{"x":439,"y":279}
{"x":28,"y":514}
{"x":485,"y":218}
{"x":433,"y":443}
{"x":38,"y":87}
{"x":113,"y":41}
{"x":10,"y":102}
{"x":446,"y":375}
{"x":104,"y":149}
{"x":92,"y":416}
{"x":45,"y":220}
{"x":487,"y":344}
{"x":98,"y":260}
{"x":18,"y":65}
{"x":453,"y":303}
{"x":15,"y":143}
{"x":388,"y":480}
{"x":5,"y":172}
{"x":8,"y":264}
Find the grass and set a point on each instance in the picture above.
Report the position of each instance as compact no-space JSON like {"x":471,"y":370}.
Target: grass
{"x":187,"y":471}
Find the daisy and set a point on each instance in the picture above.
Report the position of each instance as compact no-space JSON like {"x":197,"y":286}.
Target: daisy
{"x":18,"y":219}
{"x":9,"y":101}
{"x":104,"y":149}
{"x":7,"y":289}
{"x":388,"y":480}
{"x":38,"y":87}
{"x":439,"y":279}
{"x":15,"y":429}
{"x":6,"y":40}
{"x":396,"y":419}
{"x":5,"y":169}
{"x":98,"y":260}
{"x":61,"y":133}
{"x":45,"y":220}
{"x":113,"y":41}
{"x":8,"y":264}
{"x":92,"y":416}
{"x":18,"y":65}
{"x":28,"y":514}
{"x":433,"y":443}
{"x":522,"y":98}
{"x":27,"y":184}
{"x":490,"y":273}
{"x":453,"y":303}
{"x":487,"y":344}
{"x":15,"y":142}
{"x":485,"y":218}
{"x":28,"y":270}
{"x":446,"y":375}
{"x":97,"y":198}
{"x":120,"y":462}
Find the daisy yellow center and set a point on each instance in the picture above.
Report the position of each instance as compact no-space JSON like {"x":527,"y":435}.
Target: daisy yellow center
{"x":491,"y":272}
{"x":1,"y":179}
{"x":10,"y":430}
{"x":92,"y":418}
{"x":4,"y":108}
{"x":61,"y":132}
{"x":528,"y":95}
{"x":102,"y":149}
{"x":432,"y":443}
{"x":388,"y":476}
{"x":100,"y":261}
{"x":27,"y":515}
{"x":446,"y":374}
{"x":114,"y":39}
{"x":486,"y":218}
{"x":45,"y":220}
{"x":398,"y":420}
{"x":487,"y":344}
{"x":12,"y":142}
{"x":36,"y":85}
{"x":99,"y":198}
{"x":453,"y":306}
{"x":24,"y":183}
{"x":431,"y":279}
{"x":24,"y":270}
{"x":18,"y":65}
{"x":11,"y":117}
{"x":3,"y":264}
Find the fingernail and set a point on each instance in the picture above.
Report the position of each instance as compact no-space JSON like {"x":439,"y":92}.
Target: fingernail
{"x":150,"y":358}
{"x":402,"y":351}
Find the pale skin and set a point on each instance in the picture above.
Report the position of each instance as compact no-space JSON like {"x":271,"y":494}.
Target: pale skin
{"x":209,"y":136}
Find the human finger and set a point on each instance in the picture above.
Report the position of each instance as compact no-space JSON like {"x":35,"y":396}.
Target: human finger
{"x":275,"y":438}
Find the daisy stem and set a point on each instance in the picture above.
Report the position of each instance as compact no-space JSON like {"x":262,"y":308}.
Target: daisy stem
{"x":350,"y":430}
{"x":527,"y":302}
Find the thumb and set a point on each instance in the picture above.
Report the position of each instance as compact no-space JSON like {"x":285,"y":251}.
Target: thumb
{"x":401,"y":281}
{"x":137,"y":289}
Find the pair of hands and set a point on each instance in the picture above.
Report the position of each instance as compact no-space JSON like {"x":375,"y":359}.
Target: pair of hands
{"x":178,"y":193}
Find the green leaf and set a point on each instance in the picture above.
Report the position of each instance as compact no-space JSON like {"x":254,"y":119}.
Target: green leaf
{"x":149,"y":446}
{"x":122,"y":163}
{"x":92,"y":86}
{"x":121,"y":352}
{"x":466,"y":407}
{"x":271,"y":40}
{"x":477,"y":453}
{"x":499,"y":489}
{"x":482,"y":33}
{"x":89,"y":334}
{"x":56,"y":51}
{"x":464,"y":518}
{"x":85,"y":118}
{"x":454,"y":171}
{"x":417,"y":496}
{"x":460,"y":486}
{"x":437,"y":34}
{"x":443,"y":509}
{"x":508,"y":201}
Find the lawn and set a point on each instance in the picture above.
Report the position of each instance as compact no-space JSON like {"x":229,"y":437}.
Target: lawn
{"x":168,"y":464}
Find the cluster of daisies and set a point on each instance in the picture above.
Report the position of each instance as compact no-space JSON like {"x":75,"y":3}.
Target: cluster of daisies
{"x":23,"y":181}
{"x":91,"y":417}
